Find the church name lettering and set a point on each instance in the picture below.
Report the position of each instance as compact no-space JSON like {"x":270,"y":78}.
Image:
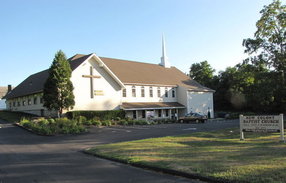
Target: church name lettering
{"x":260,"y":123}
{"x":98,"y":92}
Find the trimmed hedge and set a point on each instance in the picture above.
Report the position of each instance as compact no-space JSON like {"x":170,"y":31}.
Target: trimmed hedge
{"x":101,"y":115}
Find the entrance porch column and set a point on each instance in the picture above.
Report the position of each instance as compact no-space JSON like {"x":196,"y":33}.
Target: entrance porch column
{"x":136,"y":115}
{"x":177,"y":114}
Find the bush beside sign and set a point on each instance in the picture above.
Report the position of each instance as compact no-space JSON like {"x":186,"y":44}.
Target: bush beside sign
{"x":269,"y":123}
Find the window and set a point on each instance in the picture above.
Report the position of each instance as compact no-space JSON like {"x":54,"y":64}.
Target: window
{"x":167,"y":112}
{"x":14,"y":104}
{"x":24,"y":102}
{"x":134,"y":115}
{"x":166,"y":92}
{"x":10,"y":105}
{"x":41,"y":100}
{"x":124,"y":92}
{"x":151,"y":91}
{"x":159,"y":92}
{"x":35,"y":100}
{"x":143,"y":114}
{"x":142,"y":91}
{"x":133,"y":91}
{"x":29,"y":101}
{"x":173,"y":93}
{"x":18,"y":103}
{"x":159,"y":113}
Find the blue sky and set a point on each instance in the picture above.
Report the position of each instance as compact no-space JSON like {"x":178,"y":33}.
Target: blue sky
{"x":32,"y":31}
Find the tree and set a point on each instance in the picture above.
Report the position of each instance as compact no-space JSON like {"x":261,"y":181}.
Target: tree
{"x":270,"y":38}
{"x":245,"y":87}
{"x":58,"y":89}
{"x":269,"y":47}
{"x":203,"y":73}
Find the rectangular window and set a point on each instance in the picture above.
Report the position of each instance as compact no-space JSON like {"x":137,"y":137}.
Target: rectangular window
{"x":159,"y":113}
{"x":41,"y":100}
{"x":173,"y":93}
{"x":143,"y":114}
{"x":24,"y":102}
{"x":166,"y":92}
{"x":14,"y":104}
{"x":35,"y":100}
{"x":134,"y":115}
{"x":167,"y":112}
{"x":10,"y":105}
{"x":151,"y":91}
{"x":29,"y":101}
{"x":159,"y":92}
{"x":124,"y":92}
{"x":142,"y":91}
{"x":19,"y":104}
{"x":133,"y":91}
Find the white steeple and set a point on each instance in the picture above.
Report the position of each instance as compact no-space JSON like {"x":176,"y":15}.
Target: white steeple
{"x":164,"y":59}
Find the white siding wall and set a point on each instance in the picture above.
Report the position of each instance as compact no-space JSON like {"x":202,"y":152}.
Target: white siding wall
{"x":2,"y":104}
{"x":182,"y":99}
{"x":147,"y":98}
{"x":31,"y":107}
{"x":111,"y":97}
{"x":200,"y":102}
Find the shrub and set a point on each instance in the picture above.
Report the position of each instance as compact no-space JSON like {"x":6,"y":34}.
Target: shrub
{"x":96,"y":122}
{"x":81,"y":119}
{"x":53,"y":126}
{"x":122,"y":122}
{"x":101,"y":115}
{"x":25,"y":123}
{"x":142,"y":122}
{"x":43,"y":122}
{"x":51,"y":121}
{"x":106,"y":123}
{"x":87,"y":122}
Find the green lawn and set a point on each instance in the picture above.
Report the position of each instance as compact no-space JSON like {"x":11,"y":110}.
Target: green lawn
{"x":13,"y":117}
{"x":219,"y":155}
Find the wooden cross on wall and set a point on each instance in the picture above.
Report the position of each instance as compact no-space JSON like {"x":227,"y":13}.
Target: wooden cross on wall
{"x":91,"y":76}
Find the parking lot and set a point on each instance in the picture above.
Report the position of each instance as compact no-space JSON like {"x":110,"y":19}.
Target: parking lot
{"x":26,"y":157}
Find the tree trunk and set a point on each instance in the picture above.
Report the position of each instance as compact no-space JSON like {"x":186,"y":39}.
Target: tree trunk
{"x":60,"y":112}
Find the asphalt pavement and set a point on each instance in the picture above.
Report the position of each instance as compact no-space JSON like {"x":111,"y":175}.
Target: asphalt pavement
{"x":29,"y":158}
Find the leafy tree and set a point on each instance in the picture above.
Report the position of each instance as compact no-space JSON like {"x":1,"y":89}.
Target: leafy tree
{"x":269,"y":47}
{"x":269,"y":43}
{"x":203,"y":73}
{"x":58,"y":89}
{"x":245,"y":87}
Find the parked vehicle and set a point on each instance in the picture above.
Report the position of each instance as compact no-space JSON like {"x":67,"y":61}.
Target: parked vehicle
{"x":193,"y":117}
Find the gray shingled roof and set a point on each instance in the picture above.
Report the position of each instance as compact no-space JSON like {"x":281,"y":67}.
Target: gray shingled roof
{"x":145,"y":73}
{"x":126,"y":71}
{"x":35,"y":83}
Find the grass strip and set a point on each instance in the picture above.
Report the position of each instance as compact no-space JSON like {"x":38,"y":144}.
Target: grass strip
{"x":218,"y":155}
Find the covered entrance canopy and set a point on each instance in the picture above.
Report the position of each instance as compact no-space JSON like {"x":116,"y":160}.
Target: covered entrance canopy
{"x":148,"y":110}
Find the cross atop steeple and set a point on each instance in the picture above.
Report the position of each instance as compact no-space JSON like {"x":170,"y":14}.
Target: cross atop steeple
{"x":164,"y":59}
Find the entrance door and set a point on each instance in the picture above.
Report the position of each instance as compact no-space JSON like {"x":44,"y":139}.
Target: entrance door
{"x":173,"y":113}
{"x":150,"y":114}
{"x":42,"y":112}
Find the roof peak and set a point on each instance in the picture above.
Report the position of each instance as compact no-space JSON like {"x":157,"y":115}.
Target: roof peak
{"x":129,"y":61}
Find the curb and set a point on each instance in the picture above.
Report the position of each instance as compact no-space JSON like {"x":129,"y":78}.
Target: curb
{"x":161,"y":170}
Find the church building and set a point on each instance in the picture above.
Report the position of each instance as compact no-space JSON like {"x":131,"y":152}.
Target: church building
{"x":143,"y":90}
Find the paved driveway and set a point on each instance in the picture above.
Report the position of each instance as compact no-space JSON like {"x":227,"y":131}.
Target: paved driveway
{"x":26,"y":157}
